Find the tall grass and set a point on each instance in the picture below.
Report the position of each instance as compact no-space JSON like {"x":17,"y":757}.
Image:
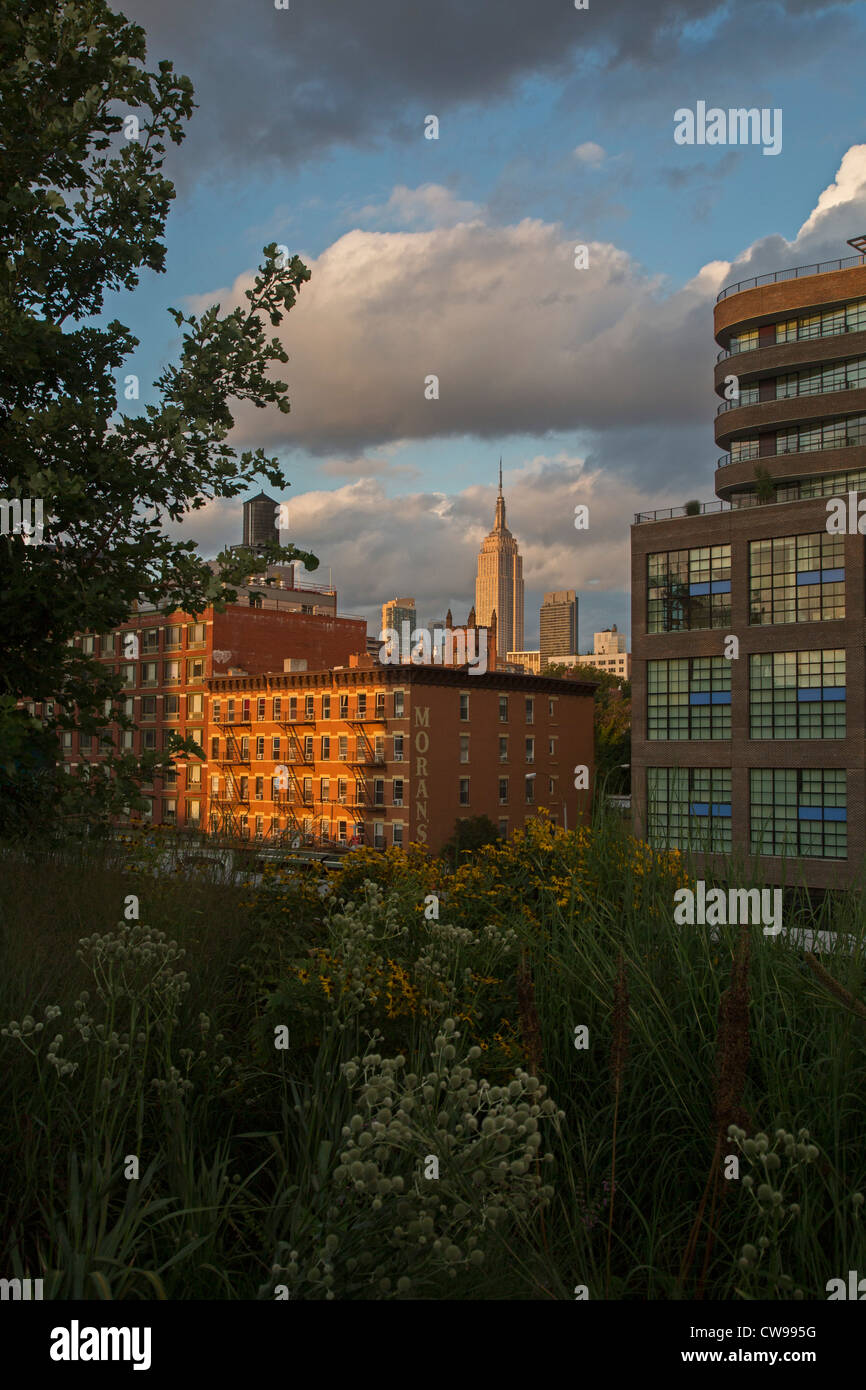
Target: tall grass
{"x":412,"y":1037}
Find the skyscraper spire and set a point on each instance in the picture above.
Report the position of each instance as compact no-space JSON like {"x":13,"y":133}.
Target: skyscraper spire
{"x":500,"y":475}
{"x":499,"y":523}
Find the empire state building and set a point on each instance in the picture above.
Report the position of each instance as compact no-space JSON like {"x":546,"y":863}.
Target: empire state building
{"x":499,"y":583}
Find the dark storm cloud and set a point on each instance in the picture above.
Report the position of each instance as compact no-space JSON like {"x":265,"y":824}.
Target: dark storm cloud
{"x":284,"y":86}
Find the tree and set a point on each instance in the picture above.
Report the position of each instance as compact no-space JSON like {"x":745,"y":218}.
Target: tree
{"x":611,"y":725}
{"x":469,"y":835}
{"x":83,"y":205}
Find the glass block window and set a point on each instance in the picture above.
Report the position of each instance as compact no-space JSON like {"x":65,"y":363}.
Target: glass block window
{"x":689,"y":808}
{"x":689,"y":589}
{"x":797,"y":579}
{"x":800,"y":812}
{"x":797,"y":694}
{"x":689,"y":698}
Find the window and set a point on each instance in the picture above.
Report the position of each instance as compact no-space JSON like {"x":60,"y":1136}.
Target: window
{"x":107,"y":644}
{"x":87,"y":644}
{"x":127,"y":741}
{"x":378,"y":791}
{"x":245,"y":749}
{"x":398,"y":791}
{"x":194,"y":706}
{"x":398,"y":834}
{"x":799,"y":812}
{"x":245,"y":827}
{"x":689,"y":589}
{"x":464,"y":791}
{"x":275,"y":748}
{"x":326,"y":706}
{"x":215,"y":747}
{"x":398,"y":748}
{"x":308,"y":748}
{"x":260,"y":749}
{"x":169,"y":809}
{"x":503,"y":828}
{"x":797,"y":579}
{"x":231,"y":712}
{"x":171,"y":706}
{"x":503,"y":791}
{"x":150,"y":639}
{"x":379,"y":748}
{"x":293,"y":707}
{"x":193,"y":774}
{"x":380,"y":704}
{"x":308,"y":790}
{"x":66,"y":739}
{"x":529,"y":782}
{"x":215,"y":785}
{"x":172,"y":638}
{"x":148,"y":707}
{"x":148,"y":740}
{"x":530,"y":750}
{"x":343,"y":748}
{"x":326,"y":748}
{"x":341,"y":790}
{"x":309,"y":708}
{"x":530,"y":709}
{"x":216,"y":711}
{"x":797,"y":694}
{"x":326,"y":789}
{"x":244,"y":788}
{"x":193,"y":812}
{"x":245,"y":711}
{"x":689,"y":698}
{"x":260,"y":827}
{"x":503,"y":750}
{"x":551,"y":747}
{"x":169,"y":777}
{"x":378,"y":834}
{"x":341,"y":831}
{"x":362,"y":704}
{"x":260,"y":789}
{"x":260,"y":707}
{"x":689,"y":808}
{"x":551,"y":708}
{"x":278,"y":707}
{"x":503,"y":709}
{"x":148,"y":673}
{"x":464,"y":748}
{"x":464,"y":706}
{"x":344,"y":707}
{"x":128,"y":674}
{"x":551,"y":786}
{"x":399,"y":704}
{"x":195,"y":634}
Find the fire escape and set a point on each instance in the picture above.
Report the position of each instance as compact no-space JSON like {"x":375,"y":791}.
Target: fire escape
{"x":365,"y":764}
{"x":229,"y":806}
{"x":287,"y":799}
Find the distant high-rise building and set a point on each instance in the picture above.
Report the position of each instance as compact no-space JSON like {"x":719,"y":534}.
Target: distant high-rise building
{"x":260,"y":521}
{"x":499,"y":583}
{"x":397,"y":611}
{"x":609,"y":653}
{"x":558,"y":631}
{"x":530,"y":661}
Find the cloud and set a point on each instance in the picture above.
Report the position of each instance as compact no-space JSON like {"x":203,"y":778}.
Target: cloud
{"x":590,"y":153}
{"x":431,"y":205}
{"x":520,"y":340}
{"x":283,"y":87}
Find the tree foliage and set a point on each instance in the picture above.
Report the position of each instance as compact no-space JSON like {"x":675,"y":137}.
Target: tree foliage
{"x":84,"y":126}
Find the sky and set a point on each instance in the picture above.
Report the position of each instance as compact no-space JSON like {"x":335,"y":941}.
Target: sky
{"x":589,"y":374}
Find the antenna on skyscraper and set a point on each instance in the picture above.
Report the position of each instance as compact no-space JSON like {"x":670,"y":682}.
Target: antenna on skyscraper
{"x":500,"y":475}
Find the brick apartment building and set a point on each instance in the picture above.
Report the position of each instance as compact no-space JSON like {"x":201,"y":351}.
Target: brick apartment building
{"x":167,"y":659}
{"x":388,"y":755}
{"x":763,"y":755}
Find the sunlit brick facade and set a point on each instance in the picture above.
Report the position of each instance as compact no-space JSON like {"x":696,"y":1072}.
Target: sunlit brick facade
{"x":385,"y":755}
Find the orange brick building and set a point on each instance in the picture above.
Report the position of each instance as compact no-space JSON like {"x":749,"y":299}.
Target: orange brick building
{"x":388,"y":755}
{"x":168,"y":657}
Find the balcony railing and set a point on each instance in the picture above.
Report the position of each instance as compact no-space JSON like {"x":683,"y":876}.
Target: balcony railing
{"x":795,"y":273}
{"x":669,"y":513}
{"x":854,"y":438}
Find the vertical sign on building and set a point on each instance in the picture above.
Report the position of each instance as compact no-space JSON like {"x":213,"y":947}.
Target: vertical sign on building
{"x":422,"y":744}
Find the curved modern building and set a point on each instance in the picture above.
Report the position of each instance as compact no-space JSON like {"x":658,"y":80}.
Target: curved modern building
{"x":749,"y":687}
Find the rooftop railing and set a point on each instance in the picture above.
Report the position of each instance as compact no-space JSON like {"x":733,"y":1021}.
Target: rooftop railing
{"x":669,"y":513}
{"x":795,"y":273}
